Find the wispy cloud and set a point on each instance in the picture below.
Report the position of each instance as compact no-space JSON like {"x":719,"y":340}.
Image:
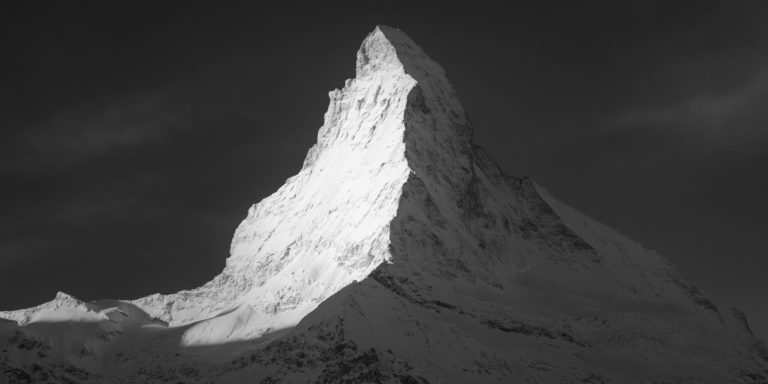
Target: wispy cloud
{"x":704,"y":116}
{"x":79,"y":135}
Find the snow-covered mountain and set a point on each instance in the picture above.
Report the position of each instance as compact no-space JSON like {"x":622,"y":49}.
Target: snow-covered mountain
{"x":401,"y":253}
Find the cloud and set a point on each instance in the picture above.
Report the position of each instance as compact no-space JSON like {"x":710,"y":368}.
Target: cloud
{"x":79,"y":135}
{"x":705,"y":116}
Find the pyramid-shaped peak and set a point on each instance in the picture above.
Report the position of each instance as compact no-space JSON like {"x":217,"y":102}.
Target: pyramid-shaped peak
{"x":397,"y":241}
{"x":397,"y":38}
{"x":387,"y":48}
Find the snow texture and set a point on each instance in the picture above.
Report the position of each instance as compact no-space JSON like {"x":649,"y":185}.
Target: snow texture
{"x":401,"y":253}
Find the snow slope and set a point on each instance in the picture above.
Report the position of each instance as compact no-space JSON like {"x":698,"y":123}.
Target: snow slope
{"x":402,"y":253}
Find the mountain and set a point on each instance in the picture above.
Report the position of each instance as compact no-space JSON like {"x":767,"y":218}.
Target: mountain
{"x":401,"y":253}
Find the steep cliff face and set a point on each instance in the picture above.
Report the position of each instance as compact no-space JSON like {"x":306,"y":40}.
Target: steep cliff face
{"x":402,"y":253}
{"x":327,"y":226}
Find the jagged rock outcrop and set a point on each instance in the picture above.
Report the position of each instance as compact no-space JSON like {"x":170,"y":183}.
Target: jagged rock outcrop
{"x":402,"y":253}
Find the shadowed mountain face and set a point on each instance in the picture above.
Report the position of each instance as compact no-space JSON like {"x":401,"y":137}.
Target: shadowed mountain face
{"x":401,"y":253}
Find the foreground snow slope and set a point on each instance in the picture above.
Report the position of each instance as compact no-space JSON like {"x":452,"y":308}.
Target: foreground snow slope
{"x":402,"y":253}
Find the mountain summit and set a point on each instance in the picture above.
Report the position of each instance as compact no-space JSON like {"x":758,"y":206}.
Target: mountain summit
{"x":400,"y":252}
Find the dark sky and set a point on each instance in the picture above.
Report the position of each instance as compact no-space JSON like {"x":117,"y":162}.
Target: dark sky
{"x":135,"y":136}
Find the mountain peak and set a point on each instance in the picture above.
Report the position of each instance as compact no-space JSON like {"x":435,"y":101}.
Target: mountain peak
{"x":399,"y":94}
{"x":395,"y":243}
{"x":62,"y":296}
{"x":387,"y":48}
